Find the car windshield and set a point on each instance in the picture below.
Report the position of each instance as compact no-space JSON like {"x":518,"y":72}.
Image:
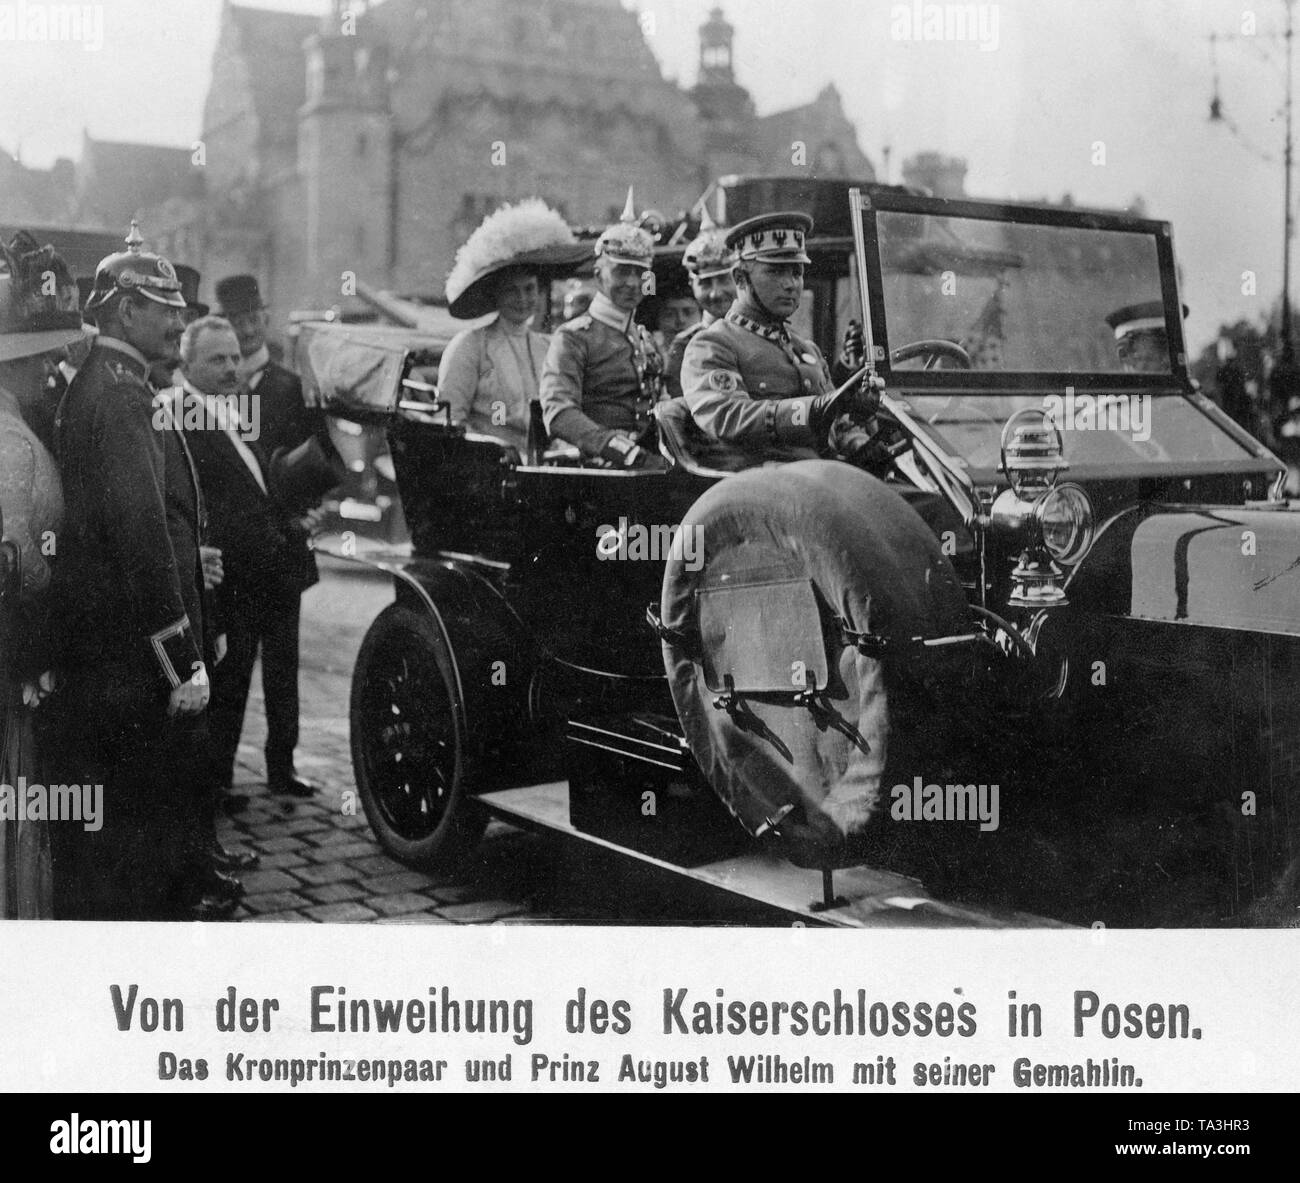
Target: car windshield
{"x":1018,"y":297}
{"x":1098,"y":430}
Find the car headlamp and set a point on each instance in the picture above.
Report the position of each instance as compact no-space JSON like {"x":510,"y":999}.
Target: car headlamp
{"x":1064,"y":515}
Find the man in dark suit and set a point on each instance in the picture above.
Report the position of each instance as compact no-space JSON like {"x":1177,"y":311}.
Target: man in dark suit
{"x":127,"y":593}
{"x":266,"y":562}
{"x":284,"y":422}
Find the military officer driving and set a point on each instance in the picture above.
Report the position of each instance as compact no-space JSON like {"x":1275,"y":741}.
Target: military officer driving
{"x":603,"y":372}
{"x":752,"y":384}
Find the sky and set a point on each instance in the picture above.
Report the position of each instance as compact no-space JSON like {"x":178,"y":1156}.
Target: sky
{"x":1103,"y":99}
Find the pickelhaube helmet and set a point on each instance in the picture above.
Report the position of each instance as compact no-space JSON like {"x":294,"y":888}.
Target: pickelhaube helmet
{"x":625,"y":241}
{"x":708,"y":254}
{"x":135,"y":272}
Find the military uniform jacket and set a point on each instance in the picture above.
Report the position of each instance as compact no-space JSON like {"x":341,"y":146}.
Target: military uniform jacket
{"x":127,"y":579}
{"x":677,"y":354}
{"x":751,"y":385}
{"x":591,"y":382}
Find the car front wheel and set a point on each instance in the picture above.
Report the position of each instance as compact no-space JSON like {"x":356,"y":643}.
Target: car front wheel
{"x":409,"y":742}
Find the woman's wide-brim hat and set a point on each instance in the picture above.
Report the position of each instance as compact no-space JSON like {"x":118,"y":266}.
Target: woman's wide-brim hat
{"x":530,"y":236}
{"x":39,"y":310}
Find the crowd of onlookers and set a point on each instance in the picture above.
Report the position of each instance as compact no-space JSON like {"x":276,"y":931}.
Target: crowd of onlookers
{"x":159,"y":477}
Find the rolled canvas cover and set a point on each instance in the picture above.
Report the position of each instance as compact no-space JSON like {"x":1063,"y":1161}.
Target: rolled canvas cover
{"x":349,"y":375}
{"x":786,"y":551}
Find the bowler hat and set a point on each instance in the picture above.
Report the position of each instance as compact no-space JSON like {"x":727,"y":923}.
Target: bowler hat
{"x":238,"y":293}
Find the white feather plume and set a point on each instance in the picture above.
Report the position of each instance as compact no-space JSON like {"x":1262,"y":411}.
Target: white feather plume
{"x":503,"y":235}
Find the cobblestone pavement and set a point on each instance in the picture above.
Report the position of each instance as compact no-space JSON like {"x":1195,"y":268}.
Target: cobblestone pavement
{"x":321,"y":864}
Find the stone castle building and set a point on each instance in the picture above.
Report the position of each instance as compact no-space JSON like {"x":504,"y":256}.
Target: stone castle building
{"x":372,"y":143}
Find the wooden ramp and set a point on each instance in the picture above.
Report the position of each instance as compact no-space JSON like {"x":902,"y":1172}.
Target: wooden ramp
{"x":867,"y":898}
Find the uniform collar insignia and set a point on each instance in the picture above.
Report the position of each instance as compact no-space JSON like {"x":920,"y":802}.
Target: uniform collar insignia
{"x":771,"y":332}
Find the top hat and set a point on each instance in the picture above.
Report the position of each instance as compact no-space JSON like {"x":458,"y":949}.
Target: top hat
{"x":529,"y":235}
{"x":772,"y":238}
{"x":190,"y":289}
{"x":238,"y":293}
{"x":135,"y":272}
{"x":36,"y":315}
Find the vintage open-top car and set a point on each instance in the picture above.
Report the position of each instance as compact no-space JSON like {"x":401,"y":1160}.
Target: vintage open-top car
{"x":1067,"y":606}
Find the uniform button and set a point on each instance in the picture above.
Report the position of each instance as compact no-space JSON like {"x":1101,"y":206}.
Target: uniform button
{"x":807,"y":385}
{"x":762,"y":386}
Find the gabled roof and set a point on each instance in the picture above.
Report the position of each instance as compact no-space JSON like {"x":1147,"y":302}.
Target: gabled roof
{"x":271,"y":44}
{"x":826,"y":112}
{"x":115,"y":181}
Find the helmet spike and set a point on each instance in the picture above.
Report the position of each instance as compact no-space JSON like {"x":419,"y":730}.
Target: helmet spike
{"x":134,"y":239}
{"x":706,"y":219}
{"x":629,"y":209}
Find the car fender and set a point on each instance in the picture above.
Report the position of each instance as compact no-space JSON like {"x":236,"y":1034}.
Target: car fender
{"x":492,"y":655}
{"x":1228,"y":567}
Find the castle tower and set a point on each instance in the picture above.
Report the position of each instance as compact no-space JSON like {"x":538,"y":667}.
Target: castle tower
{"x":944,"y":176}
{"x":345,"y":160}
{"x":716,"y":94}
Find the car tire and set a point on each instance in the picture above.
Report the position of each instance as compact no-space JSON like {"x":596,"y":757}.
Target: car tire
{"x":410,"y":748}
{"x":767,"y":537}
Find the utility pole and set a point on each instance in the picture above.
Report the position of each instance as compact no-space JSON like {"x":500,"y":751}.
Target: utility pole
{"x":1288,"y":347}
{"x":1285,"y":380}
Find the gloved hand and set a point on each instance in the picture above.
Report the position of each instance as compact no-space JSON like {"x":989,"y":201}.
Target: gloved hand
{"x":622,"y":451}
{"x":860,"y":403}
{"x":854,"y":347}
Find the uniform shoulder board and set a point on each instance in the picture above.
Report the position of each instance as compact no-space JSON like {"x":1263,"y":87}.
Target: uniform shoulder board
{"x":122,"y":374}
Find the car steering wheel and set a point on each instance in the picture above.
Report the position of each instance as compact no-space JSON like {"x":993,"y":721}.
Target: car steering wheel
{"x":891,"y":442}
{"x":932,"y":349}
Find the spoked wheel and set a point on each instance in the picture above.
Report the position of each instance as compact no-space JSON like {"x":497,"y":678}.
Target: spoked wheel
{"x":409,"y":742}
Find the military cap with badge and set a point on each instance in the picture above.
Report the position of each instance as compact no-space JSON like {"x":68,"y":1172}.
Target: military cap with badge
{"x":772,"y":238}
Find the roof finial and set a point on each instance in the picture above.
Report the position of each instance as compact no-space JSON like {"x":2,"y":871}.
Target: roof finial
{"x":134,"y":239}
{"x":629,"y":210}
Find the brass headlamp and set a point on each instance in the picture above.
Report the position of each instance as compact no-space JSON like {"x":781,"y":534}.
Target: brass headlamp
{"x":1055,"y":520}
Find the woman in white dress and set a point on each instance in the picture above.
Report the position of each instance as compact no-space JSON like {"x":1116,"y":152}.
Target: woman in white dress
{"x":489,"y":374}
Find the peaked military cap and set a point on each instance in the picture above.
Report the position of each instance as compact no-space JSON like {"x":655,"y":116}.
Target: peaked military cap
{"x":772,"y":238}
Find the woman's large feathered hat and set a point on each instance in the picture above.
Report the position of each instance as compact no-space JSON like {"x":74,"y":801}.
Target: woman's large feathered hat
{"x":38,"y":300}
{"x":529,"y":234}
